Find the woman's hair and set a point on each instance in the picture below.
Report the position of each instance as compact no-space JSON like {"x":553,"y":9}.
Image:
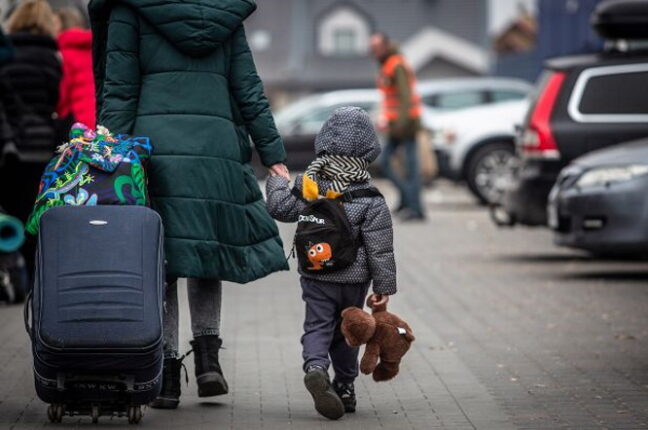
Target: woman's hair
{"x":70,"y":17}
{"x":33,"y":16}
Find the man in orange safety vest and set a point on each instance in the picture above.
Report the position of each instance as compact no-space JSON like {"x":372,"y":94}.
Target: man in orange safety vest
{"x":400,"y":119}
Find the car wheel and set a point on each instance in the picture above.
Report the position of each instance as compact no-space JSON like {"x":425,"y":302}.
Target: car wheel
{"x":489,"y":170}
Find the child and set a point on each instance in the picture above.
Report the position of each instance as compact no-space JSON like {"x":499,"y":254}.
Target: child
{"x":345,"y":147}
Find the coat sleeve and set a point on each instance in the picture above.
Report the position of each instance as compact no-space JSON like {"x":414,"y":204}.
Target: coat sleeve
{"x":378,"y":237}
{"x":282,"y":204}
{"x":247,"y":90}
{"x":122,"y":75}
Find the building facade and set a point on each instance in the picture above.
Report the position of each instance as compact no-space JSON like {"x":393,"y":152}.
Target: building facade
{"x":303,"y":46}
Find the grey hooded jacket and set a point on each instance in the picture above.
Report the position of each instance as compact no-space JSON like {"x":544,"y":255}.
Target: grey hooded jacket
{"x":349,"y":131}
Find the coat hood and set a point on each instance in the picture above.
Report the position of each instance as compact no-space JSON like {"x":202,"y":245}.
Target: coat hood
{"x":75,"y":38}
{"x":349,"y":131}
{"x":195,"y":27}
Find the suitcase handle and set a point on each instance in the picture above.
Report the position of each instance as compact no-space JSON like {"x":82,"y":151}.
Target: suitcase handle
{"x":28,"y":303}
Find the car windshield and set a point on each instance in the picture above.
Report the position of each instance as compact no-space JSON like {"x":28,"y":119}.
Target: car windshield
{"x":311,"y":112}
{"x":295,"y":110}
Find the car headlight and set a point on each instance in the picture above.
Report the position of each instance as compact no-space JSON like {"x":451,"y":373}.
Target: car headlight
{"x":443,"y":137}
{"x":609,"y":175}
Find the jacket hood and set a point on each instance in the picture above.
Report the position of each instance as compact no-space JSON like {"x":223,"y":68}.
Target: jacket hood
{"x":75,"y":38}
{"x":349,"y":131}
{"x":195,"y":27}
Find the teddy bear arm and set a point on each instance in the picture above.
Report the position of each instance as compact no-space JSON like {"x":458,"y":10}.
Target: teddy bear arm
{"x":370,"y":358}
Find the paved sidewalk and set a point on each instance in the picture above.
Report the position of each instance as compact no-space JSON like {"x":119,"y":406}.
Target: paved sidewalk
{"x":511,"y":333}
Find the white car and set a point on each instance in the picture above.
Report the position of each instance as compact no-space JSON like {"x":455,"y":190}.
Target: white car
{"x":478,"y":145}
{"x":445,"y":95}
{"x":299,"y":122}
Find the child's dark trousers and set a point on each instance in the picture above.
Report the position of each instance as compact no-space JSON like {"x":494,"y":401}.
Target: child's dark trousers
{"x":322,"y":336}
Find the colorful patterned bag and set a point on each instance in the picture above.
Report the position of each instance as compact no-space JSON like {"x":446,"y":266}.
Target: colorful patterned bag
{"x":93,"y":168}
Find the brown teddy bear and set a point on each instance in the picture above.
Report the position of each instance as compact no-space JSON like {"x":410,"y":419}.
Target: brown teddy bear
{"x":387,"y":337}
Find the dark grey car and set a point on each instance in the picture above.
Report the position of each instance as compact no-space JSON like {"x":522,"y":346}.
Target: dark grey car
{"x":600,"y":201}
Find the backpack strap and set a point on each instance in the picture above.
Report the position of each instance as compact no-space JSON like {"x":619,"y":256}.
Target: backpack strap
{"x":297,"y":193}
{"x":358,"y":194}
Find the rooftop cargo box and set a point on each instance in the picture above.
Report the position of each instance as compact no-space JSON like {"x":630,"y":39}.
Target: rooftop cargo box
{"x":621,"y":19}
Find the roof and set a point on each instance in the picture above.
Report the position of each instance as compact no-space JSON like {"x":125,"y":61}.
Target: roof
{"x":430,"y":43}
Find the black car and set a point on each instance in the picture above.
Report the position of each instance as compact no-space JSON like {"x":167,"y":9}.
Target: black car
{"x":599,"y":203}
{"x":583,"y":103}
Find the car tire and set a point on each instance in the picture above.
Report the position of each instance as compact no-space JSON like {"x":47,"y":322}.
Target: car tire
{"x":496,"y":156}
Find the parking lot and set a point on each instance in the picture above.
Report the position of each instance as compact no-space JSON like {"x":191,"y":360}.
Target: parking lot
{"x":511,"y":333}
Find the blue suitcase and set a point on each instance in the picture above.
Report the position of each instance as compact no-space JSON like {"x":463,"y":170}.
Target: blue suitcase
{"x":96,"y":310}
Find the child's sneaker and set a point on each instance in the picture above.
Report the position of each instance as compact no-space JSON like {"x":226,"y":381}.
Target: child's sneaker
{"x":327,"y":402}
{"x":346,"y":392}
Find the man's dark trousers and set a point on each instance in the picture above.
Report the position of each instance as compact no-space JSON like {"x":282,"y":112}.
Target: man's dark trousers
{"x":322,"y":336}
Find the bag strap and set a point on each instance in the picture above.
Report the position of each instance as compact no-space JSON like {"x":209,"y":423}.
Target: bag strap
{"x":297,"y":193}
{"x":358,"y":194}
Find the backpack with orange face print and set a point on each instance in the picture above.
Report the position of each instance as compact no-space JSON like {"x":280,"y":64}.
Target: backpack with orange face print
{"x":325,"y":241}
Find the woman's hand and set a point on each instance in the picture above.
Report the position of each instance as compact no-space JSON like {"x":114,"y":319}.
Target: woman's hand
{"x":279,"y":169}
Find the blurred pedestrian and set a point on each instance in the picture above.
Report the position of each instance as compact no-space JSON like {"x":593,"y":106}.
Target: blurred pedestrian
{"x":77,"y":96}
{"x":6,"y":56}
{"x":182,"y":73}
{"x":401,"y":120}
{"x":29,"y":87}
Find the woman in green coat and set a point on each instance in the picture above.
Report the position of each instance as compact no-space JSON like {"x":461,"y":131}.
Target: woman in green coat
{"x":182,"y":74}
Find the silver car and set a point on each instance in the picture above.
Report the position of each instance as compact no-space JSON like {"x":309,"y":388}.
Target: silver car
{"x":599,"y":203}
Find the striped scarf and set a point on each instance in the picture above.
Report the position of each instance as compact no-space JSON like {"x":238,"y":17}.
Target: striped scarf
{"x":341,"y":170}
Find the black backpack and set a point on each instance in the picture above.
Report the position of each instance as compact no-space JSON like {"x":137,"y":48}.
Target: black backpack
{"x":324,"y":240}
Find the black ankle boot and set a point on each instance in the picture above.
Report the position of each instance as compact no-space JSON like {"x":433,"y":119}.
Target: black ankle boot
{"x":170,"y":395}
{"x":346,"y":392}
{"x":327,"y":402}
{"x":209,"y":375}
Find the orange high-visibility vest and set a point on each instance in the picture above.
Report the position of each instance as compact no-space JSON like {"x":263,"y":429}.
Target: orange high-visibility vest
{"x":390,"y":97}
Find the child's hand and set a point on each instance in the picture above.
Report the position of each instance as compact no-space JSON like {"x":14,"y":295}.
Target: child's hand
{"x":377,"y":300}
{"x":279,"y":169}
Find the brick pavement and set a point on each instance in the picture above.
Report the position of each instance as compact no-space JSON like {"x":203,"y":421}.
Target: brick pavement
{"x":511,"y":333}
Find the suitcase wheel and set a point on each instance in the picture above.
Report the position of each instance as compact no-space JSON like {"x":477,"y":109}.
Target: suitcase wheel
{"x":134,"y":414}
{"x":55,"y":413}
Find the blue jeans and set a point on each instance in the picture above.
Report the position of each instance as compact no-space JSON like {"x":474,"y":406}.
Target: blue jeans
{"x":409,"y":186}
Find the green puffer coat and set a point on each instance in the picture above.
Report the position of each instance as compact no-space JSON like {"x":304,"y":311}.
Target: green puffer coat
{"x":181,"y":73}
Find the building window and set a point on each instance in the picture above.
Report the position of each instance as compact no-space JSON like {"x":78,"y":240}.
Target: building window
{"x":345,"y":42}
{"x":343,"y":32}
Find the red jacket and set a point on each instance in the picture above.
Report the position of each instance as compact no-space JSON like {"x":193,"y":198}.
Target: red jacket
{"x":77,"y":93}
